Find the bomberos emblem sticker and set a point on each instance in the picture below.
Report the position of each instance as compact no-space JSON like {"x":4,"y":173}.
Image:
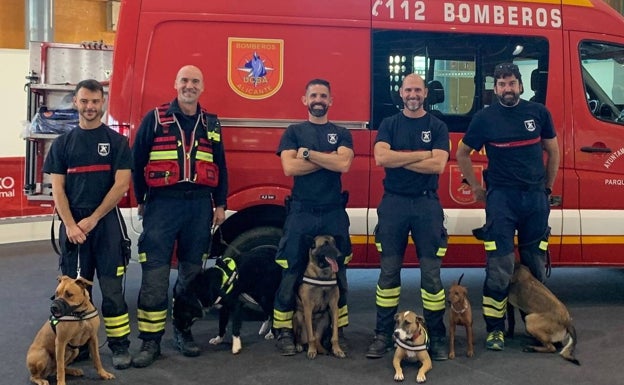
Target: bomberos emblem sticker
{"x":255,"y":66}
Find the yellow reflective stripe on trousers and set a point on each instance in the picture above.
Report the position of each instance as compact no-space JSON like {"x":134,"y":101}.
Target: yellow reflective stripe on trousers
{"x":142,"y":257}
{"x":282,"y":262}
{"x":348,"y":259}
{"x":282,"y":319}
{"x":493,"y":308}
{"x":441,"y":252}
{"x":388,"y":297}
{"x":489,"y":245}
{"x":117,"y":326}
{"x":151,"y":321}
{"x":121,"y":270}
{"x":433,"y":302}
{"x":343,"y":316}
{"x":543,"y":245}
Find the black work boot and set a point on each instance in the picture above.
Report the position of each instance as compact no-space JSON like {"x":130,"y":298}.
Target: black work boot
{"x":150,"y":350}
{"x":380,"y":345}
{"x":121,"y":357}
{"x":183,"y":341}
{"x":286,"y":342}
{"x":438,"y":348}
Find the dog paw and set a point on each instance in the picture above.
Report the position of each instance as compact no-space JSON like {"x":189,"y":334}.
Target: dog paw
{"x":74,"y":372}
{"x":339,"y":353}
{"x":216,"y":340}
{"x":470,"y":353}
{"x":312,"y":354}
{"x":451,"y":355}
{"x":420,"y":378}
{"x":237,"y":345}
{"x":398,"y":376}
{"x":106,"y":375}
{"x":269,"y":335}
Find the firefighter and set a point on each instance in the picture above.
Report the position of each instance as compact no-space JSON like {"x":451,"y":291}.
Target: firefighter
{"x":515,"y":133}
{"x":413,"y":148}
{"x":90,"y":169}
{"x":180,"y":184}
{"x":315,"y":153}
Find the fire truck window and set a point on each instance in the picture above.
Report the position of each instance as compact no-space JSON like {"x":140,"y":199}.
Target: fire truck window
{"x":603,"y":78}
{"x":455,"y":65}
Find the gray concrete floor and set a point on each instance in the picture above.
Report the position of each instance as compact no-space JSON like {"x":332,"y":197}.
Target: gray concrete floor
{"x":594,"y":296}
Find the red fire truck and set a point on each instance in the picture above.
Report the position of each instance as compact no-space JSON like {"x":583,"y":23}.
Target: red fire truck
{"x":570,"y":52}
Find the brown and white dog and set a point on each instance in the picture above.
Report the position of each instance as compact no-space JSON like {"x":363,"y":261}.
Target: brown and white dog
{"x":460,"y":315}
{"x":411,"y":340}
{"x":548,"y":320}
{"x":74,"y":322}
{"x":317,"y":299}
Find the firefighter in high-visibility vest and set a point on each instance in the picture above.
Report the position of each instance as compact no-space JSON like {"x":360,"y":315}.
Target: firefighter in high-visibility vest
{"x":413,"y":147}
{"x":515,"y":133}
{"x":180,"y":183}
{"x":315,"y":153}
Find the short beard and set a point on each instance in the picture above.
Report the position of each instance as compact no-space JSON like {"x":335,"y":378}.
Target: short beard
{"x":317,"y":113}
{"x":508,"y":102}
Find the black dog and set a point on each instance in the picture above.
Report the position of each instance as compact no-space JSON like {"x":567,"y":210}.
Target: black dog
{"x":245,"y":284}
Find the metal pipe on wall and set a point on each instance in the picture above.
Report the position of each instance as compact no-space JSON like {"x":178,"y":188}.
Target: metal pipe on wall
{"x":39,"y":20}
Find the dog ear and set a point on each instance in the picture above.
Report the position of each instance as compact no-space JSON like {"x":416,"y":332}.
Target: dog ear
{"x":84,"y":283}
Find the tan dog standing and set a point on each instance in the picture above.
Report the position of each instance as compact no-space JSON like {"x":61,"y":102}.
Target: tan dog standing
{"x":74,"y":322}
{"x":317,"y":299}
{"x":460,"y":315}
{"x":548,"y":320}
{"x":411,"y":341}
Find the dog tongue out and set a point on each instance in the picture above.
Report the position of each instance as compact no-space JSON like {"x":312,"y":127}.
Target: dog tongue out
{"x":332,"y":263}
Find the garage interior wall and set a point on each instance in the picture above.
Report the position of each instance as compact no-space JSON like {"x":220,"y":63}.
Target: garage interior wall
{"x":75,"y":21}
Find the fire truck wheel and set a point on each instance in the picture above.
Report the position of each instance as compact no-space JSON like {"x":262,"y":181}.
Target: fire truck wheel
{"x":266,"y":236}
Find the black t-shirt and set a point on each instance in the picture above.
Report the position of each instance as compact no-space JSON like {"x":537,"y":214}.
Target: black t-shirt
{"x":412,"y":134}
{"x":89,"y":159}
{"x":322,"y":187}
{"x":512,"y":139}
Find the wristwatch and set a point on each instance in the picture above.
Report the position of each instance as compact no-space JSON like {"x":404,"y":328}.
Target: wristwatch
{"x":306,"y":154}
{"x":548,"y":191}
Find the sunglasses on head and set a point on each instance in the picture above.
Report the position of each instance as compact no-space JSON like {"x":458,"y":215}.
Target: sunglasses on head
{"x":507,"y":67}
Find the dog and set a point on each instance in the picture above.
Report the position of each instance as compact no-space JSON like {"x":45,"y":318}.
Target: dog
{"x":240,"y":286}
{"x":411,"y":340}
{"x":74,"y":322}
{"x":547,"y":319}
{"x":317,"y":299}
{"x":460,"y":315}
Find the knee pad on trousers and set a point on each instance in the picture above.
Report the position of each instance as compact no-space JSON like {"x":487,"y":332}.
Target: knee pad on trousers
{"x":499,"y":271}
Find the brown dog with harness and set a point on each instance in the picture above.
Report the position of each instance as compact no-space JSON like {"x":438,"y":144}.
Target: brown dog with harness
{"x":74,"y":322}
{"x":460,"y":315}
{"x":411,"y":340}
{"x":547,"y":319}
{"x":317,"y":299}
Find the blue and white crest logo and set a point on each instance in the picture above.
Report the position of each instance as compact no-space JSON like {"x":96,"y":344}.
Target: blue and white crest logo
{"x":426,"y":136}
{"x":530,"y":125}
{"x":332,"y":138}
{"x":103,"y":149}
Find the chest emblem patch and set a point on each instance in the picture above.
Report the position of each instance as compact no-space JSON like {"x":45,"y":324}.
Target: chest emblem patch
{"x":332,"y":138}
{"x":530,"y":125}
{"x":425,"y":136}
{"x":103,"y":149}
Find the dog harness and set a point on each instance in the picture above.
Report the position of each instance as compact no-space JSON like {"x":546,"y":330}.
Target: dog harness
{"x":319,"y":282}
{"x":230,"y":275}
{"x":413,"y":348}
{"x":71,"y":317}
